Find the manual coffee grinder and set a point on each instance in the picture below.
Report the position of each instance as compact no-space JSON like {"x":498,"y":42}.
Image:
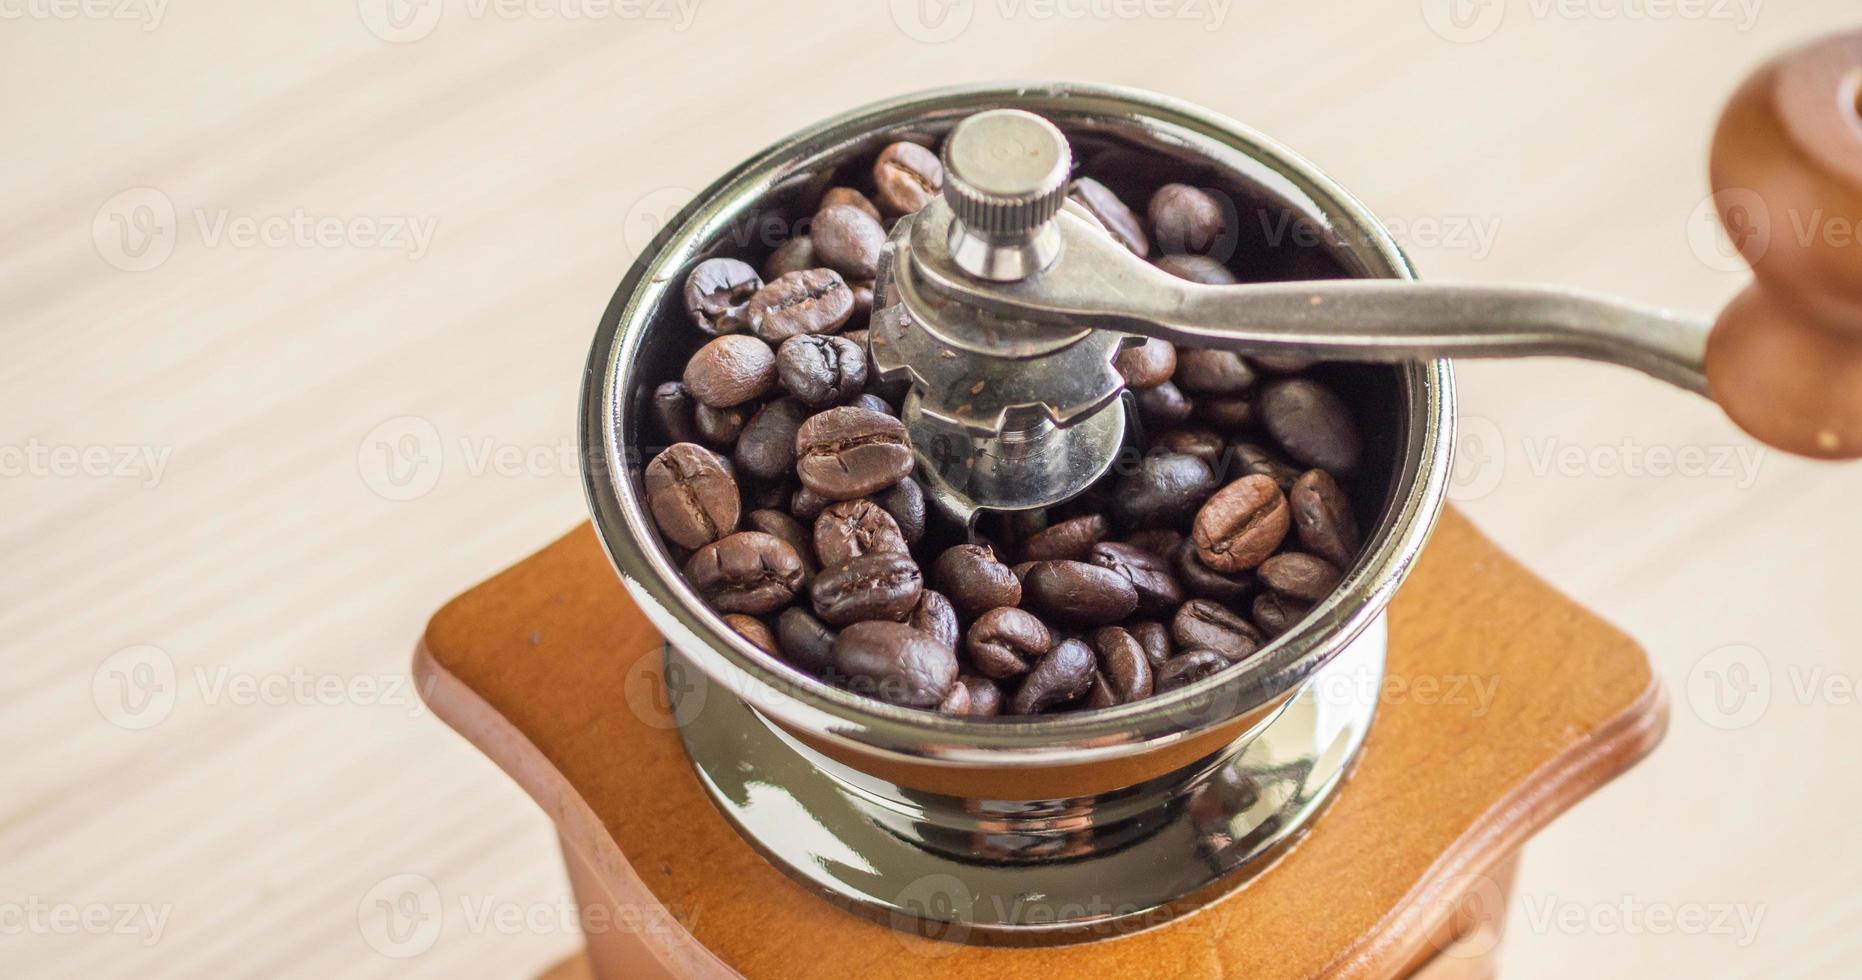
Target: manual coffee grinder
{"x":722,"y":815}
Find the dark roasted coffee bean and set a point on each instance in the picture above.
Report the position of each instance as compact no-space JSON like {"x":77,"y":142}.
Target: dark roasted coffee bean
{"x":1187,"y":219}
{"x":908,"y":176}
{"x":766,"y":447}
{"x":1021,"y":570}
{"x":1200,"y":580}
{"x":1187,"y":668}
{"x":1071,"y":538}
{"x":730,"y":370}
{"x":807,"y":505}
{"x":1006,"y":642}
{"x":1154,"y":637}
{"x":1164,"y":490}
{"x":1147,"y":365}
{"x":1160,"y":541}
{"x":985,"y":696}
{"x":850,"y":197}
{"x":881,"y":585}
{"x":1241,"y":525}
{"x":1164,"y":406}
{"x":1200,"y":443}
{"x":778,"y":524}
{"x":753,"y":629}
{"x":1213,"y":372}
{"x":672,"y":409}
{"x":1300,"y":576}
{"x":1119,"y":221}
{"x":847,"y":240}
{"x":895,"y":663}
{"x":1252,"y":458}
{"x":808,"y":302}
{"x":975,"y":581}
{"x":844,"y":453}
{"x":935,"y":617}
{"x":1201,"y":624}
{"x":862,"y":301}
{"x":715,"y":294}
{"x":957,"y":702}
{"x":747,"y":572}
{"x":905,"y":501}
{"x":795,"y":255}
{"x":806,"y":642}
{"x":1233,"y":412}
{"x":1197,"y":268}
{"x":851,"y":528}
{"x":720,"y":426}
{"x":766,"y":494}
{"x":874,"y":403}
{"x":692,"y":495}
{"x":1322,"y":513}
{"x":821,"y":370}
{"x":1061,"y":677}
{"x":1079,"y":594}
{"x":1276,"y":614}
{"x":1158,"y":591}
{"x":1312,"y":424}
{"x":1122,"y":673}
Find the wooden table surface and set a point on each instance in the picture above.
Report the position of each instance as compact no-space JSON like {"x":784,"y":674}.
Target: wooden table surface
{"x":296,"y":298}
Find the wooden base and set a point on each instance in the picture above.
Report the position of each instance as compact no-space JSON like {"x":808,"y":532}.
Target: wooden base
{"x":1504,"y":704}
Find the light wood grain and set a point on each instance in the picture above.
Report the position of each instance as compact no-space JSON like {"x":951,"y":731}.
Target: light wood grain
{"x":540,"y":148}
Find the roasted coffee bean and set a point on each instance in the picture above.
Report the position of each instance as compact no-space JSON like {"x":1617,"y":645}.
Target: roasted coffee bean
{"x":715,"y":294}
{"x":1203,"y":444}
{"x":1232,"y":412}
{"x":847,"y":240}
{"x":766,"y":447}
{"x":1061,"y":677}
{"x":1197,"y":268}
{"x":821,"y":370}
{"x":1122,"y":674}
{"x":730,"y":370}
{"x":1154,"y":638}
{"x":692,"y":495}
{"x":766,"y":494}
{"x":753,"y":629}
{"x":1300,"y":576}
{"x":874,"y":403}
{"x":1079,"y":594}
{"x":985,"y":696}
{"x":720,"y":426}
{"x":1312,"y":424}
{"x":957,"y":702}
{"x":747,"y":572}
{"x":1164,"y":490}
{"x":894,"y":663}
{"x":1119,"y":221}
{"x":1006,"y":642}
{"x":778,"y":524}
{"x":1158,"y":591}
{"x":862,"y":301}
{"x":850,"y":197}
{"x":1282,"y":363}
{"x":1241,"y":525}
{"x":672,"y":409}
{"x":808,"y":302}
{"x":1164,"y":406}
{"x":1201,"y":624}
{"x":807,"y":505}
{"x":880,"y":585}
{"x":1213,"y":372}
{"x":1200,"y":580}
{"x":1071,"y":538}
{"x":905,"y":501}
{"x":1160,"y":541}
{"x":1322,"y":514}
{"x":844,"y":453}
{"x":1275,"y":614}
{"x":1188,"y":219}
{"x":1252,"y":458}
{"x":908,"y":176}
{"x":975,"y":581}
{"x":806,"y":642}
{"x":935,"y":617}
{"x":851,"y":528}
{"x":1148,"y":364}
{"x":1187,"y":668}
{"x":1021,"y":570}
{"x":795,"y":255}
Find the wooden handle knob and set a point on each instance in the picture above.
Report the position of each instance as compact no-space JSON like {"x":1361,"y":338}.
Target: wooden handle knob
{"x":1785,"y":359}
